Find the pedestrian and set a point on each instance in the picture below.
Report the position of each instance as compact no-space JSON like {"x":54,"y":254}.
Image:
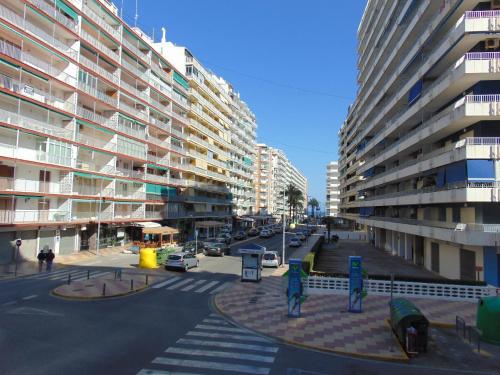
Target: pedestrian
{"x":41,"y":259}
{"x":49,"y":258}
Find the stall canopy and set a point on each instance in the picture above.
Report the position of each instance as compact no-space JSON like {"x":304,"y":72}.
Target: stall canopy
{"x":209,"y":224}
{"x":160,"y":230}
{"x":148,"y":224}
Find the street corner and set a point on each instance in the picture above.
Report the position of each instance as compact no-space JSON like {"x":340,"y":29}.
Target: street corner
{"x":103,"y":288}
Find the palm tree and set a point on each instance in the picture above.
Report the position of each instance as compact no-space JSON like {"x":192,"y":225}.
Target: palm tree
{"x":295,"y":197}
{"x":314,"y":204}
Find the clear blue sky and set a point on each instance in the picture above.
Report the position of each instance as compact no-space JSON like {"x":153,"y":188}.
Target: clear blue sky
{"x":294,"y":63}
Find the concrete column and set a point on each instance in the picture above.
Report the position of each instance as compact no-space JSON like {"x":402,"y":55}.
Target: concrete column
{"x":377,"y":237}
{"x":394,"y":245}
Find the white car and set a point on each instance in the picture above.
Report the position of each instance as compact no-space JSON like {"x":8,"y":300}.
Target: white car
{"x":182,"y":260}
{"x":271,"y":259}
{"x":294,"y":242}
{"x":300,"y":236}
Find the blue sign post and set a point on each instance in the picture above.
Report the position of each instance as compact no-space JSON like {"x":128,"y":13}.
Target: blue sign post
{"x":355,"y":284}
{"x":294,"y":292}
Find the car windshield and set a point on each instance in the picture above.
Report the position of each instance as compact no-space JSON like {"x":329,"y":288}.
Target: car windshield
{"x":174,"y":257}
{"x":269,"y":256}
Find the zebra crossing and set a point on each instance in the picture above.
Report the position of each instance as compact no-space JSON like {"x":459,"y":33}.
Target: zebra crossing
{"x":181,"y":284}
{"x":77,"y":274}
{"x":215,"y":347}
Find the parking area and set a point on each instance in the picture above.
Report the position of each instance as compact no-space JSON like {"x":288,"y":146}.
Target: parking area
{"x":333,"y":259}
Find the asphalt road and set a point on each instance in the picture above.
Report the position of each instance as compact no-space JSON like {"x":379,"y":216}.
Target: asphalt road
{"x":168,"y":329}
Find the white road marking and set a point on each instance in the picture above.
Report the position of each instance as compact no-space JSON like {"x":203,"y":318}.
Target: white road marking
{"x":215,"y":315}
{"x":160,"y":372}
{"x":92,"y":276}
{"x":220,"y":354}
{"x":189,"y":287}
{"x":224,"y":329}
{"x":45,"y":274}
{"x":227,"y":336}
{"x":208,"y":286}
{"x":224,"y":344}
{"x":220,"y":288}
{"x":30,"y":297}
{"x":179,"y":284}
{"x":10,"y":303}
{"x":65,"y":276}
{"x":221,"y":366}
{"x":215,"y":321}
{"x":169,"y":281}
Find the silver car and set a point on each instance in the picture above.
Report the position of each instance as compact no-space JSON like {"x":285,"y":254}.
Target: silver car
{"x":183,"y":261}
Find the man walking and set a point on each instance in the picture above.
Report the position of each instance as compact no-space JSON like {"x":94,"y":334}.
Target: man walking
{"x":49,"y":258}
{"x":41,"y":259}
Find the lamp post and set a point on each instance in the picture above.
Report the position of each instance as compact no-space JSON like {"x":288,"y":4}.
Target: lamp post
{"x":99,"y":220}
{"x":284,"y":227}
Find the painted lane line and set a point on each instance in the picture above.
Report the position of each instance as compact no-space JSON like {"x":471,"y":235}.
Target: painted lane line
{"x":216,"y":321}
{"x":224,"y":344}
{"x":220,"y":288}
{"x":221,"y":366}
{"x":208,"y":286}
{"x":193,"y":285}
{"x":226,"y":336}
{"x":169,"y":281}
{"x":223,"y":329}
{"x":160,"y":372}
{"x":220,"y":354}
{"x":30,"y":297}
{"x":179,"y":284}
{"x":10,"y":303}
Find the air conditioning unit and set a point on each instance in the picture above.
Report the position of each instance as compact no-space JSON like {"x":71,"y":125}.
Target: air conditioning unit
{"x":495,"y":4}
{"x":492,"y":43}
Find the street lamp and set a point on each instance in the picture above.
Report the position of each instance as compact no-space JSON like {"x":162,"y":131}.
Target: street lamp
{"x":283,"y":249}
{"x":99,"y":220}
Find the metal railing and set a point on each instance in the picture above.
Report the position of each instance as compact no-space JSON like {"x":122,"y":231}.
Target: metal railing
{"x":482,"y":14}
{"x":101,"y":95}
{"x":111,"y":76}
{"x":100,"y":21}
{"x":52,"y":11}
{"x":99,"y":45}
{"x":109,"y":122}
{"x":29,"y":216}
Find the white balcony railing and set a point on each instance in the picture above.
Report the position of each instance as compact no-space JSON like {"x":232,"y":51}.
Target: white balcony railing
{"x":33,"y":216}
{"x":101,"y":22}
{"x":99,"y":45}
{"x":110,"y":76}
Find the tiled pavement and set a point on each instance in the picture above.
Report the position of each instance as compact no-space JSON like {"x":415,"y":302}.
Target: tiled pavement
{"x":325,"y":324}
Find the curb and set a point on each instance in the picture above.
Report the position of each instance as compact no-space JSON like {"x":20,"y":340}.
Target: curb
{"x":97,"y":298}
{"x":404,"y":359}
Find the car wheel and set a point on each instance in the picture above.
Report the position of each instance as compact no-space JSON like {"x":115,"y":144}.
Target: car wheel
{"x":197,"y":263}
{"x":186,"y":268}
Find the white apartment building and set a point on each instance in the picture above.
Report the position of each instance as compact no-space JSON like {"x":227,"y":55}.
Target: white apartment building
{"x":99,"y":129}
{"x":332,"y":189}
{"x":419,"y":149}
{"x":273,"y":174}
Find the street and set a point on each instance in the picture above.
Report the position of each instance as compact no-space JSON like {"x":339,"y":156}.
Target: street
{"x":170,"y":327}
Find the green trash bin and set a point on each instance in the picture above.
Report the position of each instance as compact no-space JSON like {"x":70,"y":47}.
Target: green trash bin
{"x":488,"y":319}
{"x":161,"y":256}
{"x":404,"y":314}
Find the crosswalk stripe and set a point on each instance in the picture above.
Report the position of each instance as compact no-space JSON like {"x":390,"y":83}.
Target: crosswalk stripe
{"x":189,"y":287}
{"x":224,"y":344}
{"x":224,"y":329}
{"x":160,"y":372}
{"x":92,"y":275}
{"x":215,"y":321}
{"x":206,"y":287}
{"x":179,"y":284}
{"x":73,"y":274}
{"x":220,"y":288}
{"x":212,"y":365}
{"x":45,"y":274}
{"x":163,"y":283}
{"x":215,"y":315}
{"x":227,"y":336}
{"x":220,"y":354}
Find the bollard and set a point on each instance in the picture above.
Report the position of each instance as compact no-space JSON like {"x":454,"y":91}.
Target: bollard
{"x":104,"y":289}
{"x":131,"y":284}
{"x":115,"y":274}
{"x":120,"y":273}
{"x":88,"y":274}
{"x":69,"y":278}
{"x":147,"y":278}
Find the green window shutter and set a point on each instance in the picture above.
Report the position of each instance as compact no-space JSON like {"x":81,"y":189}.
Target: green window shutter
{"x":67,"y":9}
{"x":157,"y":167}
{"x":180,"y":80}
{"x":104,"y":130}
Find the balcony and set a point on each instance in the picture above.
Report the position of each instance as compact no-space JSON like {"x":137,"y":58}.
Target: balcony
{"x":110,"y":76}
{"x":54,"y":13}
{"x":96,"y":93}
{"x":129,"y":173}
{"x":133,"y":111}
{"x":32,"y":124}
{"x":99,"y":46}
{"x":130,"y":194}
{"x":92,"y":190}
{"x":100,"y":21}
{"x":134,"y":91}
{"x":78,"y":215}
{"x":135,"y":70}
{"x":160,"y":86}
{"x":142,"y":55}
{"x":32,"y":186}
{"x":33,"y":216}
{"x":129,"y":214}
{"x":110,"y":122}
{"x":94,"y":141}
{"x":206,"y":186}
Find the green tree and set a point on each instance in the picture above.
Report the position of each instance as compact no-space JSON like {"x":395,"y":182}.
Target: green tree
{"x":294,"y":199}
{"x":314,"y":204}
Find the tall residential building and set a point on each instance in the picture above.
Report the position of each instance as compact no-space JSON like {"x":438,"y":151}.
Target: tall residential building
{"x":419,"y":149}
{"x":97,"y":130}
{"x":332,"y":189}
{"x":273,"y":174}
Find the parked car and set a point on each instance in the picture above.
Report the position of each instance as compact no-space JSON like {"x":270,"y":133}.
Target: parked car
{"x":271,"y":259}
{"x":307,"y":232}
{"x":252,"y":232}
{"x":294,"y":242}
{"x":218,"y":249}
{"x":264,"y":233}
{"x":224,"y":237}
{"x":301,"y":236}
{"x":240,"y":236}
{"x":183,"y":261}
{"x":193,"y":246}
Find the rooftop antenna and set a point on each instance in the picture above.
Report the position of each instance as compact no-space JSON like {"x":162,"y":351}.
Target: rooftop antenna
{"x":121,"y":11}
{"x":136,"y":17}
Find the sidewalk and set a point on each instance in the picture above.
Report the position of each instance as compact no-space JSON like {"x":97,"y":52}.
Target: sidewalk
{"x":324,"y":323}
{"x":105,"y":287}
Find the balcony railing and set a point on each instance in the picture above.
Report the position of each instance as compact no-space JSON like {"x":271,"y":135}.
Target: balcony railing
{"x":101,"y":95}
{"x":134,"y":91}
{"x":34,"y":186}
{"x":32,"y":216}
{"x":134,"y":69}
{"x":93,"y":140}
{"x":82,"y":189}
{"x":133,"y":111}
{"x":111,"y":76}
{"x":100,"y":21}
{"x":130,"y":194}
{"x":52,"y":11}
{"x":143,"y":55}
{"x":129,"y":173}
{"x":129,"y":214}
{"x":109,"y":122}
{"x":91,"y":215}
{"x":99,"y":46}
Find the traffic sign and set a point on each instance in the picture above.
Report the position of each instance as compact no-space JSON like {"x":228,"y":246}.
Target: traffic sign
{"x":19,"y":242}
